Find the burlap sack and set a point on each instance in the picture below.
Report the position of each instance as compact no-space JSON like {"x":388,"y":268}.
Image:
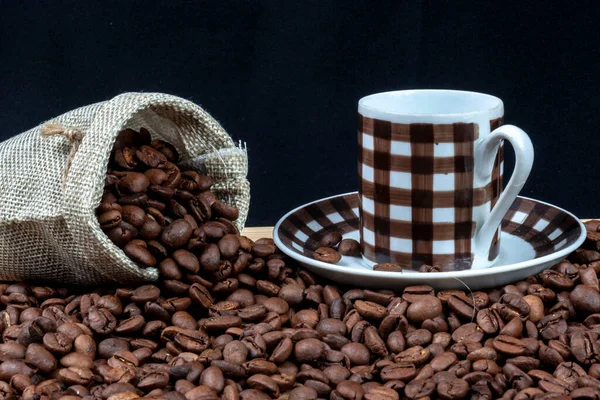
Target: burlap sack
{"x":48,"y":229}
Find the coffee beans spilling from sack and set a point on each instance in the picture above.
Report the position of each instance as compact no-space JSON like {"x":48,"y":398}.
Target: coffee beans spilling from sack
{"x":160,"y":215}
{"x":270,"y":330}
{"x":56,"y":174}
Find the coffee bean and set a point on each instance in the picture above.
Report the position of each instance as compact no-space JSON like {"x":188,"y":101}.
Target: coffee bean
{"x":293,"y":294}
{"x":330,"y":239}
{"x":263,"y":250}
{"x":513,"y":328}
{"x":176,"y":234}
{"x":110,"y":219}
{"x":551,"y":326}
{"x":134,"y":215}
{"x":309,"y":350}
{"x":418,"y":337}
{"x":509,"y":345}
{"x":443,"y":361}
{"x":511,"y":306}
{"x":583,"y":346}
{"x":370,"y":310}
{"x":40,"y":357}
{"x":400,"y":371}
{"x":453,"y":389}
{"x":134,"y":182}
{"x":350,"y":390}
{"x":416,"y":355}
{"x":229,"y":246}
{"x":468,"y":333}
{"x":536,"y":307}
{"x":396,"y":342}
{"x":326,"y":254}
{"x":139,"y":255}
{"x":349,"y":247}
{"x":387,"y":267}
{"x":186,"y":261}
{"x":210,"y":259}
{"x":419,"y":388}
{"x":221,"y":209}
{"x":556,"y":280}
{"x":424,"y":307}
{"x":585,"y":299}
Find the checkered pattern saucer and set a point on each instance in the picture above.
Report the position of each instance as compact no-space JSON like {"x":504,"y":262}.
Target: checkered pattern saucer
{"x":545,"y":228}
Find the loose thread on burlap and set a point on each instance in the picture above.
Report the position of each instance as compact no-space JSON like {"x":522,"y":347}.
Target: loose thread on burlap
{"x":72,"y":135}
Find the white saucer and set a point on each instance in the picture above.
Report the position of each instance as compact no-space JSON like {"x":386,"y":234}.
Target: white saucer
{"x":535,"y":236}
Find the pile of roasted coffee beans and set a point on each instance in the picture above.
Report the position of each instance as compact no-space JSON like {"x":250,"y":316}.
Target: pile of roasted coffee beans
{"x":273,"y":331}
{"x":235,"y":319}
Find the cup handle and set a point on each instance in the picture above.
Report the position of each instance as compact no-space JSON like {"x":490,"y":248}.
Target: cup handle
{"x":484,"y":164}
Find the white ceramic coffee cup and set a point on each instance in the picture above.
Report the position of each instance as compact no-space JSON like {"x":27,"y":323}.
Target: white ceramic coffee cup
{"x":430,"y":177}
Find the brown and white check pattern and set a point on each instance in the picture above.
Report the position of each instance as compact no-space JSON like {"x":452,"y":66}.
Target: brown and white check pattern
{"x":413,"y":180}
{"x":546,"y":228}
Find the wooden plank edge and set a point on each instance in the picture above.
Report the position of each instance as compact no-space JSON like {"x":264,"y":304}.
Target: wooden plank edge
{"x":258,"y":232}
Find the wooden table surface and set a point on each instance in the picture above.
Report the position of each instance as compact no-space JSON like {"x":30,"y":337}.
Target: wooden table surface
{"x":258,"y":232}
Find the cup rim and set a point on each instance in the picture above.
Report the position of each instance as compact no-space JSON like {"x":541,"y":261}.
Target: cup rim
{"x":496,"y":109}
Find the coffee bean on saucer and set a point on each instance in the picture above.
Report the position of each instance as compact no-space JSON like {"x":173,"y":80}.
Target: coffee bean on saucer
{"x":388,"y":267}
{"x":429,"y":268}
{"x":327,"y":254}
{"x":330,"y":239}
{"x":349,"y":247}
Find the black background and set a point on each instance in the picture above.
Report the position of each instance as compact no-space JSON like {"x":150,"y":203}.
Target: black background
{"x":285,"y":76}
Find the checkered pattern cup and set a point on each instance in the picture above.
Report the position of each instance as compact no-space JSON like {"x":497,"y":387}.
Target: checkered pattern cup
{"x":430,"y":170}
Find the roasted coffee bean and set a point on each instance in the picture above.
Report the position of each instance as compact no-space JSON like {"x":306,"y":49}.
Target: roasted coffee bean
{"x":551,"y":326}
{"x":330,"y":239}
{"x":583,"y":347}
{"x":418,"y":388}
{"x":396,"y":342}
{"x":134,"y":215}
{"x":326,"y":254}
{"x":462,"y":305}
{"x":452,"y":389}
{"x":423,"y":307}
{"x":139,"y":255}
{"x":176,"y":234}
{"x":349,"y":247}
{"x":468,"y":333}
{"x":308,"y":350}
{"x":556,"y":280}
{"x":134,"y":182}
{"x":210,"y":259}
{"x":513,"y":328}
{"x":489,"y":320}
{"x":509,"y":346}
{"x":110,"y":219}
{"x":585,"y":299}
{"x":370,"y":310}
{"x":536,"y":307}
{"x":387,"y":267}
{"x":404,"y":372}
{"x":512,"y":305}
{"x":41,"y":358}
{"x":418,"y":337}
